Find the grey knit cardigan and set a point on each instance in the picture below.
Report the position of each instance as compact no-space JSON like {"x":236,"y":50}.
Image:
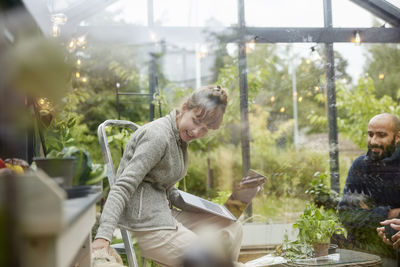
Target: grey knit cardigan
{"x":155,"y":158}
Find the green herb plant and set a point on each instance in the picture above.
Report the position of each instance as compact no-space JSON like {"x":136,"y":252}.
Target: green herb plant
{"x":320,"y":192}
{"x":293,"y":250}
{"x":317,"y":225}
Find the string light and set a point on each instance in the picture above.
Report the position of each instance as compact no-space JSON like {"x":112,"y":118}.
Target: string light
{"x":153,"y":37}
{"x":282,"y":109}
{"x":381,"y":76}
{"x":72,"y":45}
{"x":300,"y":99}
{"x":272,"y":99}
{"x":78,"y":62}
{"x":81,"y":41}
{"x":314,"y":55}
{"x":308,"y":61}
{"x":357,"y":38}
{"x":55,"y":30}
{"x":77,"y":74}
{"x":316,"y":88}
{"x":203,"y":51}
{"x":84,"y":79}
{"x":57,"y":19}
{"x":250,"y":46}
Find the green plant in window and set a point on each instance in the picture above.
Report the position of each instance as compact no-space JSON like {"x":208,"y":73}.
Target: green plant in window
{"x":317,"y":225}
{"x":322,"y":195}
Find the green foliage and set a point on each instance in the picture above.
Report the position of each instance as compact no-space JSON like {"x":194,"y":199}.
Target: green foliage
{"x":356,"y":107}
{"x":291,"y":172}
{"x":322,"y":195}
{"x":317,"y":225}
{"x":292,"y":250}
{"x":384,"y":59}
{"x":221,"y":197}
{"x":85,"y":173}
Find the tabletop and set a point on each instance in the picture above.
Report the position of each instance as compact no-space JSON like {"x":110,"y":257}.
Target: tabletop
{"x":343,"y":257}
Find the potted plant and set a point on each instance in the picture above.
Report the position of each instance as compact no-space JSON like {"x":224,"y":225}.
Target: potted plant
{"x":316,"y":227}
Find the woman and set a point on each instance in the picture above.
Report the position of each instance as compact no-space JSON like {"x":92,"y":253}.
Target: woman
{"x":155,"y":159}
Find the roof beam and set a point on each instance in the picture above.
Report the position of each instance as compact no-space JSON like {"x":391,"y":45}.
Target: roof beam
{"x":382,"y":9}
{"x":144,"y":35}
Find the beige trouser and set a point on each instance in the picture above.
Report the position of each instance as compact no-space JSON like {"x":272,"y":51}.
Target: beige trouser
{"x":166,"y":247}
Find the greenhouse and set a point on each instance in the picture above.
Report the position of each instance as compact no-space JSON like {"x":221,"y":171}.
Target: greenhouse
{"x":199,"y":133}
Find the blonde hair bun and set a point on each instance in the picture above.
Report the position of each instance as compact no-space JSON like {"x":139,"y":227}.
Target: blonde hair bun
{"x":211,"y":101}
{"x":218,"y":92}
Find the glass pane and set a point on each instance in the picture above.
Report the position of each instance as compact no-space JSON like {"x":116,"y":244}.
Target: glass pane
{"x":284,"y":13}
{"x":347,"y":14}
{"x":195,"y":12}
{"x":394,"y":2}
{"x":122,"y":12}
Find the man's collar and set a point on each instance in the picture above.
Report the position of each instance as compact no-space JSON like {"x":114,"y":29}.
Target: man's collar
{"x":395,"y":156}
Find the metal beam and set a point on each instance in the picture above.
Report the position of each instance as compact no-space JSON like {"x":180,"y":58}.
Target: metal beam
{"x":134,"y":35}
{"x":382,"y":9}
{"x":332,"y":111}
{"x":323,"y":35}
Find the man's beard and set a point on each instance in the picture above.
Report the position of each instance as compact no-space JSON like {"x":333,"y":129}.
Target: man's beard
{"x":387,"y":152}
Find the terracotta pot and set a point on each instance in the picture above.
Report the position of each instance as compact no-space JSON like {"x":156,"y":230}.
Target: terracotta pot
{"x":320,"y":249}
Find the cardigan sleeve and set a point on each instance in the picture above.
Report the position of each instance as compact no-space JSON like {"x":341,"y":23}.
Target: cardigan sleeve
{"x":142,"y":153}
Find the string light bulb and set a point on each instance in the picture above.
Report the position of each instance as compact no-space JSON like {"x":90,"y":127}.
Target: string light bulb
{"x":55,"y":30}
{"x":316,"y":88}
{"x":381,"y":76}
{"x":72,"y":45}
{"x":357,"y":38}
{"x":314,"y":55}
{"x":57,"y":20}
{"x":300,"y":99}
{"x":81,"y":41}
{"x":250,"y":46}
{"x":272,"y":99}
{"x":153,"y":37}
{"x":282,"y":109}
{"x":78,"y":74}
{"x":78,"y":62}
{"x":203,"y":51}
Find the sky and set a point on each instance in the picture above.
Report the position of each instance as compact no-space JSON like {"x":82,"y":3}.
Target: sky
{"x":258,"y":13}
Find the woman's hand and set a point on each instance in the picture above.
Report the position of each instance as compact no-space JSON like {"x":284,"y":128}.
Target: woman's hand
{"x":100,"y":243}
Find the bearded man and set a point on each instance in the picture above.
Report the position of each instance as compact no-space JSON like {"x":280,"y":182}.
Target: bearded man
{"x":372,"y":191}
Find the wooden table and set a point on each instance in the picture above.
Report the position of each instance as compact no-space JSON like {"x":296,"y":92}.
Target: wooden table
{"x":345,"y":258}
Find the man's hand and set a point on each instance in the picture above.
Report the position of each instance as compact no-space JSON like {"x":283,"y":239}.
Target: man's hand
{"x":100,"y":243}
{"x":381,"y":233}
{"x":395,"y":239}
{"x":393,"y":213}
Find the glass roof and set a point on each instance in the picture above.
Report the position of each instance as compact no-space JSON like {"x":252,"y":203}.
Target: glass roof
{"x":258,"y":13}
{"x":396,"y":3}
